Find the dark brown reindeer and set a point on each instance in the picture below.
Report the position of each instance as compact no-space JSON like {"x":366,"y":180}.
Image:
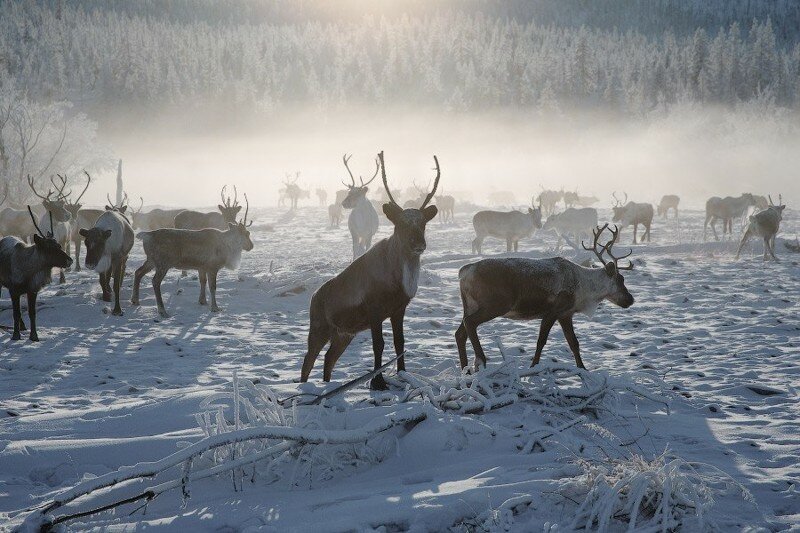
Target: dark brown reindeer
{"x":550,"y":289}
{"x":26,"y":268}
{"x":377,"y":285}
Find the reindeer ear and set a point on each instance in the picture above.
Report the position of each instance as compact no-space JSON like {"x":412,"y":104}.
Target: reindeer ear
{"x":238,"y":208}
{"x":109,"y":208}
{"x":220,"y":207}
{"x":392,"y":212}
{"x":36,"y":239}
{"x":610,"y":268}
{"x":123,"y":209}
{"x":83,"y":232}
{"x":429,"y":212}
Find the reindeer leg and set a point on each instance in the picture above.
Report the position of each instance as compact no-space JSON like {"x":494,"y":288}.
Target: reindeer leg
{"x":137,"y":279}
{"x":476,"y":245}
{"x":77,"y":255}
{"x":378,"y":383}
{"x":34,"y":336}
{"x":744,"y":240}
{"x":544,"y":332}
{"x":516,"y":246}
{"x":212,"y":287}
{"x":158,"y":277}
{"x":61,"y":278}
{"x":772,"y":247}
{"x":17,"y":316}
{"x":509,"y":244}
{"x":398,"y":337}
{"x":572,"y":339}
{"x":461,"y":343}
{"x":339,"y":343}
{"x":471,"y":323}
{"x":105,"y":284}
{"x":118,"y":273}
{"x":635,"y":229}
{"x":203,"y":280}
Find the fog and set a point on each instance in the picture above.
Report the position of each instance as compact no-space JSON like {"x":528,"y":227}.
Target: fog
{"x":695,"y":152}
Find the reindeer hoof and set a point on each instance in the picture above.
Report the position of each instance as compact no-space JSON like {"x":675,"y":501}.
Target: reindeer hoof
{"x":34,"y":337}
{"x":378,"y":383}
{"x":106,"y":297}
{"x":163,"y":314}
{"x":16,"y":336}
{"x":202,"y":302}
{"x":117,"y":312}
{"x":214,"y":309}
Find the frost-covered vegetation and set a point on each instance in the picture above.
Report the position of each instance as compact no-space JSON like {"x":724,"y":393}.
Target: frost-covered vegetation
{"x":629,"y":56}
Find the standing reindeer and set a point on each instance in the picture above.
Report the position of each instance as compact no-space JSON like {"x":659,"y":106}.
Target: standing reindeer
{"x":668,"y":201}
{"x":25,"y":269}
{"x":80,"y":218}
{"x":548,"y":200}
{"x":764,"y":224}
{"x":570,"y":198}
{"x":322,"y":196}
{"x":363,"y":219}
{"x":207,"y":250}
{"x":108,"y":244}
{"x":572,"y":221}
{"x":446,"y":205}
{"x":56,"y":211}
{"x":293,"y":191}
{"x":550,"y":289}
{"x":511,"y":226}
{"x":335,"y":215}
{"x":376,"y":286}
{"x":726,"y":209}
{"x":228,"y":211}
{"x":632,"y":213}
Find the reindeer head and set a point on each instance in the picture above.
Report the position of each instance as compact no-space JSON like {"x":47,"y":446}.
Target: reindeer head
{"x":241,"y":228}
{"x":46,"y":245}
{"x":95,"y":241}
{"x":356,"y":192}
{"x":777,"y":208}
{"x":617,"y":293}
{"x":73,"y":206}
{"x":536,"y":215}
{"x":409,"y":224}
{"x":619,"y":207}
{"x":229,"y":208}
{"x":53,"y":205}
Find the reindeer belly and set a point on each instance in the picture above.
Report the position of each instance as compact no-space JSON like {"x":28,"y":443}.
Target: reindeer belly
{"x":538,"y":305}
{"x":358,"y":316}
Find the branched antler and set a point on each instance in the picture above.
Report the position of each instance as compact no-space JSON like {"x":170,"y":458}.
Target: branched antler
{"x":435,"y":183}
{"x":33,"y":188}
{"x":599,"y":250}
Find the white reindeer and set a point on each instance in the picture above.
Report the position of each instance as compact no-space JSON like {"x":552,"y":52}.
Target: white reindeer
{"x":363,"y":219}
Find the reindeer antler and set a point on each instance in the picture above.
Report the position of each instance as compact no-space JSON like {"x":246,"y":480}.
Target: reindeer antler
{"x":86,"y":188}
{"x":60,"y":190}
{"x":345,"y":160}
{"x":377,"y":168}
{"x":435,"y":183}
{"x":616,"y":259}
{"x":606,"y":248}
{"x":246,"y":210}
{"x":35,"y":225}
{"x":383,"y":175}
{"x":30,"y":184}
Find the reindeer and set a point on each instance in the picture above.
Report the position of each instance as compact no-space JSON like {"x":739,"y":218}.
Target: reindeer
{"x":376,"y":286}
{"x":511,"y":226}
{"x":293,"y":191}
{"x":575,"y":222}
{"x":446,"y":205}
{"x":228,"y":210}
{"x":587,"y":201}
{"x":25,"y":269}
{"x":79,"y":217}
{"x":207,"y":250}
{"x":548,"y":200}
{"x":335,"y":214}
{"x":726,"y":209}
{"x":550,"y":289}
{"x":668,"y":201}
{"x":414,"y":201}
{"x":322,"y":196}
{"x":632,"y":213}
{"x":363,"y":219}
{"x":56,"y":209}
{"x":108,"y":244}
{"x":154,"y":219}
{"x":506,"y":198}
{"x":570,"y":198}
{"x":764,"y":224}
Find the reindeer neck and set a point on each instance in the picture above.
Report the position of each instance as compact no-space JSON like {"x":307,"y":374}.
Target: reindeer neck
{"x":35,"y":259}
{"x":595,"y":284}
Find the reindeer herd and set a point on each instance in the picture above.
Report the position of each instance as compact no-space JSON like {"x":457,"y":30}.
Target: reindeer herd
{"x":382,"y":278}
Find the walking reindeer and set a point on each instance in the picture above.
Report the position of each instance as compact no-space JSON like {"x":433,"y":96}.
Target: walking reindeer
{"x":764,"y":224}
{"x":632,"y":214}
{"x":58,"y":216}
{"x":552,"y":290}
{"x":363,"y":219}
{"x":26,"y":268}
{"x":206,"y":250}
{"x":375,"y":286}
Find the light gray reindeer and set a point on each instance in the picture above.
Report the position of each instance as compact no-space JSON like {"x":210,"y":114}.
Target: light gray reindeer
{"x":228,"y":211}
{"x":108,"y":244}
{"x":552,"y":290}
{"x":668,"y":201}
{"x":206,"y":250}
{"x":79,"y":217}
{"x":632,"y":214}
{"x":25,"y":269}
{"x":575,"y":222}
{"x":548,"y":200}
{"x":376,"y":286}
{"x":363,"y":219}
{"x":726,"y":209}
{"x":155,"y":219}
{"x":322,"y":196}
{"x":511,"y":226}
{"x":335,"y":215}
{"x":293,"y":191}
{"x":764,"y":224}
{"x":446,"y":205}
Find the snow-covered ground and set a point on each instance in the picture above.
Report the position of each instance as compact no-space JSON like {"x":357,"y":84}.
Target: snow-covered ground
{"x":715,"y":338}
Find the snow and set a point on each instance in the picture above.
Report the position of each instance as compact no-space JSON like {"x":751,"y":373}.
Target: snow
{"x":691,"y":392}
